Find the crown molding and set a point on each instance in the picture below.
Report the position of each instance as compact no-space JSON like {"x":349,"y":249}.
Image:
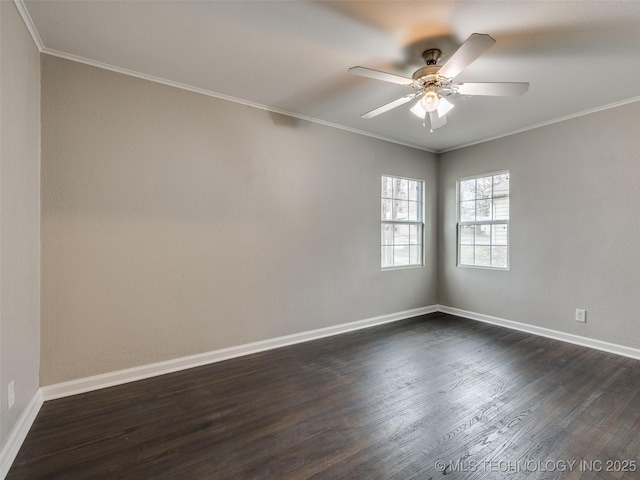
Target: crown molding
{"x":24,"y":13}
{"x":221,"y":96}
{"x":548,"y":122}
{"x":26,"y":18}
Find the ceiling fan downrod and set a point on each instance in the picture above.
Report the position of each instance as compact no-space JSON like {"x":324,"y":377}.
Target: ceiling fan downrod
{"x":431,"y":56}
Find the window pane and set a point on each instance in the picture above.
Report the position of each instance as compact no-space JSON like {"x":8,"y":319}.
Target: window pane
{"x":468,"y":211}
{"x":501,"y":208}
{"x":501,"y":185}
{"x":414,"y":211}
{"x":401,"y":188}
{"x":483,"y":234}
{"x":400,"y":210}
{"x":400,"y":255}
{"x":401,"y":202}
{"x":483,"y":256}
{"x":387,"y":187}
{"x":483,"y":201}
{"x":414,"y":255}
{"x":484,"y":187}
{"x":468,"y":190}
{"x":387,"y":234}
{"x":483,"y":210}
{"x":467,"y":234}
{"x":414,"y":234}
{"x":499,"y":257}
{"x":414,"y":191}
{"x":499,"y":236}
{"x":401,"y":236}
{"x":466,"y":255}
{"x":387,"y":257}
{"x":387,"y":209}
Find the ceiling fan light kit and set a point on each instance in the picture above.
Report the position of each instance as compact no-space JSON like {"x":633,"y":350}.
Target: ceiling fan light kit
{"x":430,"y":99}
{"x":443,"y":107}
{"x":433,"y":83}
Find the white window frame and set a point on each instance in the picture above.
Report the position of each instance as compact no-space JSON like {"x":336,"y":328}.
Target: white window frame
{"x":461,"y":224}
{"x":419,"y":223}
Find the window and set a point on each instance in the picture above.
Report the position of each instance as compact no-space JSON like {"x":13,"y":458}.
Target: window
{"x":483,"y":221}
{"x":401,"y":222}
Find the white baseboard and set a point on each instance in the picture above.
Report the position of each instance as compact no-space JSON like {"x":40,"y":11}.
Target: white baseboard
{"x":110,"y":379}
{"x":119,"y":377}
{"x":545,"y":332}
{"x":96,"y":382}
{"x":19,"y":433}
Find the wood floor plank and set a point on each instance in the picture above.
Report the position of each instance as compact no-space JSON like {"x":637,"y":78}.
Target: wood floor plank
{"x":388,"y":402}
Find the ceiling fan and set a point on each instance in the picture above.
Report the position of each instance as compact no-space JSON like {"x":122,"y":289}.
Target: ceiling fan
{"x":433,"y":83}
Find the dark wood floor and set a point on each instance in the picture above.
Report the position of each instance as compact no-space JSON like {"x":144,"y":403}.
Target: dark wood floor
{"x":390,"y":402}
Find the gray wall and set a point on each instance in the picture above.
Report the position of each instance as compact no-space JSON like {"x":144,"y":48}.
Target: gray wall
{"x":175,"y":223}
{"x":575,"y":225}
{"x":19,"y":215}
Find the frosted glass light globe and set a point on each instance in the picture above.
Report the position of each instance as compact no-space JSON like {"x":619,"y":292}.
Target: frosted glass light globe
{"x":430,"y":101}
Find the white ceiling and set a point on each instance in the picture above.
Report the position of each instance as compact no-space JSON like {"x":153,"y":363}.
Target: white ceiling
{"x":293,"y":56}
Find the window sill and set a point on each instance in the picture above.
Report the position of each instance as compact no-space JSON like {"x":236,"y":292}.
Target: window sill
{"x":403,"y":267}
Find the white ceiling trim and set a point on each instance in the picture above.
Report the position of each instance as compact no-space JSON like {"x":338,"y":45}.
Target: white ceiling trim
{"x":209,"y":93}
{"x":549,"y":122}
{"x":24,"y":13}
{"x":43,"y":49}
{"x":26,"y":18}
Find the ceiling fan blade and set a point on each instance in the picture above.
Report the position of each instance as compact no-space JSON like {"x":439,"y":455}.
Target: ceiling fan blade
{"x":506,"y":89}
{"x":385,"y":77}
{"x":472,"y":48}
{"x":389,"y":106}
{"x":436,"y":120}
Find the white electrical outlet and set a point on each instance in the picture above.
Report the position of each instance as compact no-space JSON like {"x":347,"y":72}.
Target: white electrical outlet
{"x":581,"y":315}
{"x":11,"y":394}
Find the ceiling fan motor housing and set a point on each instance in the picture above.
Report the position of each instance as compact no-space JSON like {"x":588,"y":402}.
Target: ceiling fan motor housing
{"x":431,"y":56}
{"x":428,"y":75}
